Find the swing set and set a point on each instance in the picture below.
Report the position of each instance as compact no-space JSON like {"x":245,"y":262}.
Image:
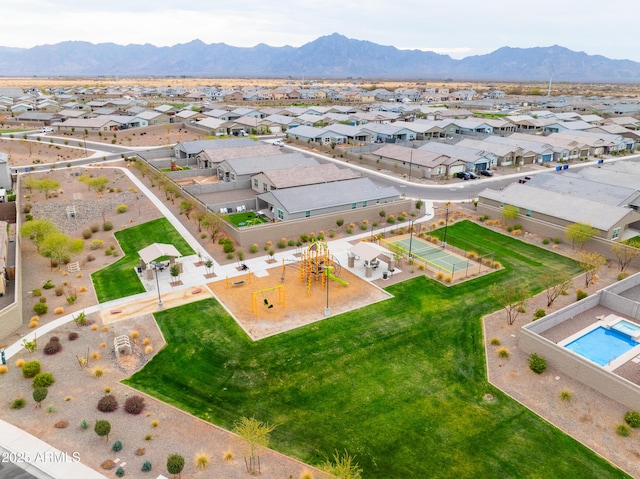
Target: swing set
{"x":282,"y":300}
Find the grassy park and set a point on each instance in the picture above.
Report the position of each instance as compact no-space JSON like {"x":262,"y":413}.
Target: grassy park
{"x":120,"y":278}
{"x":398,"y":384}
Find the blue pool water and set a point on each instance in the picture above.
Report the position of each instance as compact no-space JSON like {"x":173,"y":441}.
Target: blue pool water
{"x":626,"y":327}
{"x":602,"y":345}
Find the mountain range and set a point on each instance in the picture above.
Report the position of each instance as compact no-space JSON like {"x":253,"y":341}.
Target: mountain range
{"x":331,"y":56}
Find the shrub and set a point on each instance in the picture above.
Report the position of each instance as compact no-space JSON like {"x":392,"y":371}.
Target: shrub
{"x":107,"y":226}
{"x":227,"y":456}
{"x":253,"y":248}
{"x":30,"y":369}
{"x":201,"y":461}
{"x":557,"y":240}
{"x":623,"y":430}
{"x":59,"y":310}
{"x":154,"y":423}
{"x":495,"y":342}
{"x":632,"y":418}
{"x":117,"y":446}
{"x":18,"y":403}
{"x":146,"y":466}
{"x":119,"y":471}
{"x":539,"y":313}
{"x":48,"y":285}
{"x":622,"y":275}
{"x":537,"y":364}
{"x":122,"y":208}
{"x":503,"y":353}
{"x":36,"y":292}
{"x":391,"y":219}
{"x":20,"y":362}
{"x":42,"y":300}
{"x":84,"y":424}
{"x":580,"y":294}
{"x":52,"y":347}
{"x":228,"y":247}
{"x":40,"y":308}
{"x":134,"y":404}
{"x":63,"y":423}
{"x":175,"y":463}
{"x":291,"y":242}
{"x":94,"y":228}
{"x":546,"y":241}
{"x":108,"y":403}
{"x":565,"y":395}
{"x":96,"y":244}
{"x":339,"y":222}
{"x":282,"y":243}
{"x":43,"y":380}
{"x":140,"y":451}
{"x":148,"y":350}
{"x":3,"y":369}
{"x":86,"y":234}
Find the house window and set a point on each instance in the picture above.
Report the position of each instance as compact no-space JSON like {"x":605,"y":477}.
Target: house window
{"x":280,"y":214}
{"x":265,"y":187}
{"x":501,"y":204}
{"x":378,"y":201}
{"x":615,"y":234}
{"x":307,"y":213}
{"x":364,"y":203}
{"x":353,"y":206}
{"x":527,"y":213}
{"x":255,"y":182}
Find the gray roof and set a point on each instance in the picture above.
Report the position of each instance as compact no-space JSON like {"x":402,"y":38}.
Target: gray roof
{"x":612,"y":177}
{"x":194,"y":147}
{"x":309,"y":175}
{"x":256,"y":164}
{"x":565,"y":207}
{"x":454,"y":151}
{"x":216,"y":155}
{"x":573,"y":185}
{"x":327,"y":195}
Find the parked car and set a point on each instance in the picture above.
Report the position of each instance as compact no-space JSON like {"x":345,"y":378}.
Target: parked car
{"x":524,"y":180}
{"x":486,"y":173}
{"x":279,"y":143}
{"x":472,"y":175}
{"x":46,"y":129}
{"x":463,"y":175}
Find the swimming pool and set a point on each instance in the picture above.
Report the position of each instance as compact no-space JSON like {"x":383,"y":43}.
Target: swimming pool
{"x":627,"y":327}
{"x":602,"y":345}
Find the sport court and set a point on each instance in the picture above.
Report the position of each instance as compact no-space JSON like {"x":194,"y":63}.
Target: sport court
{"x":438,"y":259}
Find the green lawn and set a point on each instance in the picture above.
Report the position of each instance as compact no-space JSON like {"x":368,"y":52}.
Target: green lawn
{"x":120,"y":279}
{"x":398,"y":384}
{"x":245,"y":219}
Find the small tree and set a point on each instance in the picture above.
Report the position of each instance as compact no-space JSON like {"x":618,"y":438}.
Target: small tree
{"x":174,"y":270}
{"x":39,"y":395}
{"x":98,"y":183}
{"x":512,"y":297}
{"x":47,"y":185}
{"x":590,"y":262}
{"x":102,"y":428}
{"x":240,"y":254}
{"x":555,"y":281}
{"x":625,"y":254}
{"x":59,"y":246}
{"x":510,"y":212}
{"x":175,"y":464}
{"x":208,"y":264}
{"x":213,"y":224}
{"x":186,"y":206}
{"x":37,"y":231}
{"x":256,"y":433}
{"x":579,"y":233}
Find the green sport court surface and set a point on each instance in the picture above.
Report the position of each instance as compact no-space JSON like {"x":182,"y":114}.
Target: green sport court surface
{"x":435,"y":257}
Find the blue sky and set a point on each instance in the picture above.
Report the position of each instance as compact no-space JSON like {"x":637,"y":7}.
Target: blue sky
{"x":459,"y":28}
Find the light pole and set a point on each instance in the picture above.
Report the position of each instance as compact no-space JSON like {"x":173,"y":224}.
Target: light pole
{"x":446,"y":223}
{"x":410,"y":162}
{"x":156,"y":269}
{"x":327,"y":310}
{"x":411,"y":238}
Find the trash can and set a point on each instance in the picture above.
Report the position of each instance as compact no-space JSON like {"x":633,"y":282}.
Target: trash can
{"x":352,"y":261}
{"x":385,"y":274}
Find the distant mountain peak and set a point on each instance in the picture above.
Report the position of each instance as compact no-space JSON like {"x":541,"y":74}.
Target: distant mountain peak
{"x":329,"y":56}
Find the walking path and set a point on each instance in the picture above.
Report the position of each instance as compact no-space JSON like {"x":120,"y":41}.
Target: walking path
{"x":15,"y":440}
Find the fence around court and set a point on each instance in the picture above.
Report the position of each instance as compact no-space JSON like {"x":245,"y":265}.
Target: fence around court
{"x":449,"y":260}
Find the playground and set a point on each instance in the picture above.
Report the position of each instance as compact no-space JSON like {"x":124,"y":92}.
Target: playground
{"x":293,"y":293}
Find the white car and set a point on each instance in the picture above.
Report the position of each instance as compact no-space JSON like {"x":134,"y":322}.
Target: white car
{"x":46,"y":129}
{"x":279,"y":143}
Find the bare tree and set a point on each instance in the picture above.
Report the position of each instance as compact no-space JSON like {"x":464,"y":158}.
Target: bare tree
{"x":512,"y":297}
{"x":590,"y":262}
{"x":625,"y":254}
{"x":555,"y":281}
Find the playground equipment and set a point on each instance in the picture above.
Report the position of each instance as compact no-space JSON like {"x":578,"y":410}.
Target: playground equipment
{"x":282,"y":299}
{"x":318,"y":265}
{"x":238,"y":281}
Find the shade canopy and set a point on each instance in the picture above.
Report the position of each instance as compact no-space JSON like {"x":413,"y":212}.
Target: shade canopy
{"x":367,"y":251}
{"x":156,"y":250}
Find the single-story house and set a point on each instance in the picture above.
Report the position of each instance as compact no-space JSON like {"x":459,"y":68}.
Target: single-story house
{"x":298,"y":176}
{"x":313,"y":200}
{"x":190,"y":149}
{"x":211,"y":157}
